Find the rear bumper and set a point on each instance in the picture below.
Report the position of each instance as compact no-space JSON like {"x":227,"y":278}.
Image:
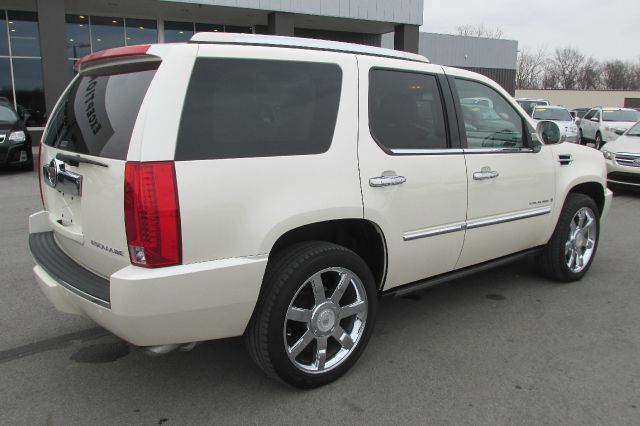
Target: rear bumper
{"x":179,"y":304}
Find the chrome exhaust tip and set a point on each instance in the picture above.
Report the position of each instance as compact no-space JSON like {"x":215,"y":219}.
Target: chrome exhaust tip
{"x":165,"y":349}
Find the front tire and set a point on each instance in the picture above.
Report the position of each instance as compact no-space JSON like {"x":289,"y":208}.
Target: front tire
{"x":315,"y":314}
{"x":570,"y":251}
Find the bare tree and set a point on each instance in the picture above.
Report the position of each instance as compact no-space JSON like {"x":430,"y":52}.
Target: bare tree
{"x":615,"y":75}
{"x":565,"y":65}
{"x":480,"y":30}
{"x":589,"y":76}
{"x":530,"y":68}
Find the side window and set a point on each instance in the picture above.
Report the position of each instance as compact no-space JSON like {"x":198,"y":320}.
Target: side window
{"x":406,"y":110}
{"x":590,"y":114}
{"x":489,"y":120}
{"x":597,"y":115}
{"x":236,"y":108}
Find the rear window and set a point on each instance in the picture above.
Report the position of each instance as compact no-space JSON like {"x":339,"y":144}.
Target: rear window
{"x":97,"y":113}
{"x":238,"y":108}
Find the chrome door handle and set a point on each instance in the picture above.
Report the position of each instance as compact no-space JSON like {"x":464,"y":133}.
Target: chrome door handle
{"x":485,"y":173}
{"x":386,"y":181}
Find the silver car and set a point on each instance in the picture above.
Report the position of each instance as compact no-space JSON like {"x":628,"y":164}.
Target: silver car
{"x":560,"y":115}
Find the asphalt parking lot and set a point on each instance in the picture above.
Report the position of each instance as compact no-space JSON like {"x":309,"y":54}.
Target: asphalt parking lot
{"x":502,"y":347}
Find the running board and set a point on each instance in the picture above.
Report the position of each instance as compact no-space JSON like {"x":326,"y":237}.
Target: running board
{"x":454,"y":275}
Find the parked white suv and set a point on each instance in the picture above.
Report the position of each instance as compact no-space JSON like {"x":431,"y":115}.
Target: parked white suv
{"x":276,"y":187}
{"x":602,"y":125}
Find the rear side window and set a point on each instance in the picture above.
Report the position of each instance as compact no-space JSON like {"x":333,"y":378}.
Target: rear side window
{"x":238,"y":108}
{"x":405,"y":110}
{"x":97,"y":114}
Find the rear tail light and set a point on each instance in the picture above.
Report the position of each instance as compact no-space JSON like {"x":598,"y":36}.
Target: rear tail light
{"x":39,"y":165}
{"x":152,"y":214}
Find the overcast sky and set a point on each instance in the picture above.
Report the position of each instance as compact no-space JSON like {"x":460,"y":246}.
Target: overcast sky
{"x":604,"y":29}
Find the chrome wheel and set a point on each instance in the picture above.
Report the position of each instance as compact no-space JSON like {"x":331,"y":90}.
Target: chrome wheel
{"x":325,"y":320}
{"x":581,"y":240}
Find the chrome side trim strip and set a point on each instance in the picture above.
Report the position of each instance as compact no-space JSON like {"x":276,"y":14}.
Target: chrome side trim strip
{"x":479,"y":223}
{"x":496,"y":150}
{"x":428,"y":151}
{"x":432,"y":232}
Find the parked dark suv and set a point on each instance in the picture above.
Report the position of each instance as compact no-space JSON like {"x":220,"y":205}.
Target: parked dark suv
{"x":15,"y":141}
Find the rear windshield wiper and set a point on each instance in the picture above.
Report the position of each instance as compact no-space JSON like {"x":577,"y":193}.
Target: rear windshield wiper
{"x":75,"y":160}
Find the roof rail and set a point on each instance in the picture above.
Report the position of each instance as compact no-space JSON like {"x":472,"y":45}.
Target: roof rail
{"x":303,"y":43}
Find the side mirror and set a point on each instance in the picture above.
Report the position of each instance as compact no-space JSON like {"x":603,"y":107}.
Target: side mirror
{"x":550,"y":132}
{"x":596,"y":119}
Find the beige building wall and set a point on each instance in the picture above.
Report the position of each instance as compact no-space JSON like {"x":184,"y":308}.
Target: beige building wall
{"x":582,"y":98}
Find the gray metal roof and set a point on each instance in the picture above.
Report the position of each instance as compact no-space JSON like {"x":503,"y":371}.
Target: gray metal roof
{"x":394,"y":11}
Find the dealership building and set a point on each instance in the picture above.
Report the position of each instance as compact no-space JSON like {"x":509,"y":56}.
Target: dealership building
{"x":41,"y":39}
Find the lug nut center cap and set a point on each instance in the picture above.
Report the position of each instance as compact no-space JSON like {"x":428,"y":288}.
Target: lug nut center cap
{"x":325,"y":320}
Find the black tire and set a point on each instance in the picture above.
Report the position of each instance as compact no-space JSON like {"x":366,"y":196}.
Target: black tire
{"x":599,"y":142}
{"x":287,"y":273}
{"x":553,"y":261}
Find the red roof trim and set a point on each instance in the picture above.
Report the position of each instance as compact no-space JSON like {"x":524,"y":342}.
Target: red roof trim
{"x":116,"y":52}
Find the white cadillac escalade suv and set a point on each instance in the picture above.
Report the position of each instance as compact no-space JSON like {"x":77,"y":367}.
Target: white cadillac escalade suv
{"x":274,"y":188}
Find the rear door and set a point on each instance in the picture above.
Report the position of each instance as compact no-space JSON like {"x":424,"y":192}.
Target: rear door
{"x":94,"y":120}
{"x":412,"y":170}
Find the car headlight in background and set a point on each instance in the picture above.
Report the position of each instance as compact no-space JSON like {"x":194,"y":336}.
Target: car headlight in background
{"x":607,"y":155}
{"x":18,"y":136}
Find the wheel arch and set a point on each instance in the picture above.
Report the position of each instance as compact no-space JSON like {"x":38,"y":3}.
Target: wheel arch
{"x":593,"y":190}
{"x":361,"y":236}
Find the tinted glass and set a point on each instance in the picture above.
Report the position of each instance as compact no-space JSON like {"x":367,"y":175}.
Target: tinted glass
{"x":97,"y":114}
{"x":209,"y":28}
{"x":405,"y":110}
{"x":496,"y":125}
{"x":590,"y":114}
{"x":29,"y":91}
{"x":106,"y":32}
{"x":6,"y":89}
{"x":4,"y":42}
{"x":621,"y":115}
{"x":175,"y":32}
{"x":541,"y":113}
{"x":635,"y":130}
{"x":23,"y":31}
{"x":141,"y":31}
{"x":7,"y":115}
{"x":258,"y":108}
{"x":238,"y":29}
{"x":78,"y":36}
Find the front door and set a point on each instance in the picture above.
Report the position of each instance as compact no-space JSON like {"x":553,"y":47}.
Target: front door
{"x":511,"y":178}
{"x":412,"y":170}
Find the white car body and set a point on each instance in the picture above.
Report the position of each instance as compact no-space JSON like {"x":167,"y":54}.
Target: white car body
{"x":594,"y":126}
{"x":233,"y":212}
{"x":623,"y":159}
{"x":569,"y":126}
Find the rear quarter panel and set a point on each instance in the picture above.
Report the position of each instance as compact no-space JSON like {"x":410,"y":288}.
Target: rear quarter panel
{"x":240,"y":207}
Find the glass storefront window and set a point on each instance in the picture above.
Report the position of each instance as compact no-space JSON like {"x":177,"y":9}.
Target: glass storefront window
{"x":4,"y":43}
{"x":23,"y":33}
{"x":238,"y":29}
{"x":6,"y":89}
{"x":106,"y":32}
{"x":29,"y":90}
{"x":141,"y":31}
{"x":209,"y":28}
{"x":175,"y":32}
{"x":78,"y":36}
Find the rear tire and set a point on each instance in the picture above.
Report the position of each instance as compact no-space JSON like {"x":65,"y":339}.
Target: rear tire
{"x":314,"y":316}
{"x":570,"y":251}
{"x":598,"y":141}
